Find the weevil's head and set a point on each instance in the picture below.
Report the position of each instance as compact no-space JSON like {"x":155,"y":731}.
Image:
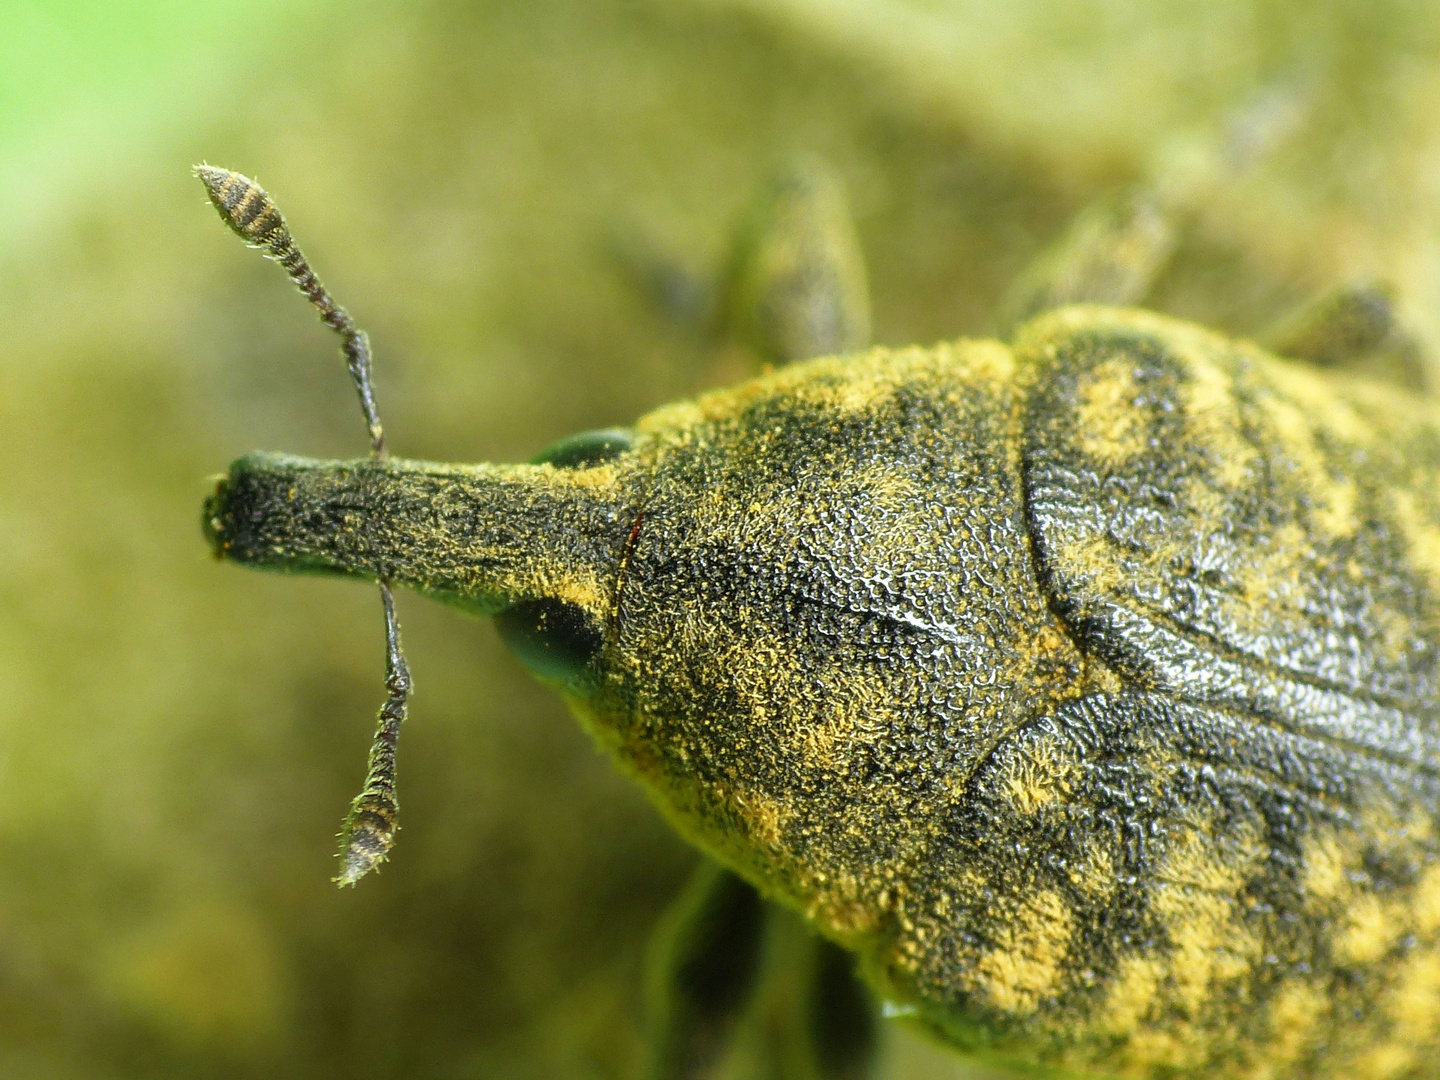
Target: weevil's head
{"x":824,"y":615}
{"x":799,"y":610}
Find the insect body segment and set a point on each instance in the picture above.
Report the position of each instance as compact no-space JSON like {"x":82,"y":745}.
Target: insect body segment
{"x":796,"y":284}
{"x":709,"y":959}
{"x":794,"y":288}
{"x":1114,"y":251}
{"x":1353,"y":327}
{"x":482,"y":537}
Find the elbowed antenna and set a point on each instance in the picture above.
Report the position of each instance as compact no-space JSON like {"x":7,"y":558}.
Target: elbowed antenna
{"x":248,"y":209}
{"x":369,"y":830}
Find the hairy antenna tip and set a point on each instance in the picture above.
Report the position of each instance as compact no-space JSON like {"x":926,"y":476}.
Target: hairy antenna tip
{"x":357,"y":865}
{"x":243,"y":204}
{"x":211,"y":175}
{"x":367,"y":837}
{"x":219,"y":182}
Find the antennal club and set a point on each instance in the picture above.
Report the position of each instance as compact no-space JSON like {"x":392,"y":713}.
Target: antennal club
{"x":369,"y":830}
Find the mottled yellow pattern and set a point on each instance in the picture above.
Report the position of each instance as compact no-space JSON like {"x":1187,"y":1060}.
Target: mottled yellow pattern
{"x":1035,"y":781}
{"x":1112,"y":430}
{"x":1024,"y":965}
{"x":1086,"y":688}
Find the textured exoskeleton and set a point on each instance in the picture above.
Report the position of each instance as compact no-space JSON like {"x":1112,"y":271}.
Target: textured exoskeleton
{"x":1084,"y":685}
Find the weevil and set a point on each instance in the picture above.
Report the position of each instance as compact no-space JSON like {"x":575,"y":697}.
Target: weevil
{"x":1084,"y":684}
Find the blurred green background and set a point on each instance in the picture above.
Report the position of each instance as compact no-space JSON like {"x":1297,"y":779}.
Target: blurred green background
{"x":179,"y":739}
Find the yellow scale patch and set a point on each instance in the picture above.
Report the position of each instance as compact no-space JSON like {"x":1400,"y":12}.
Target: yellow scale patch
{"x":1159,"y":1002}
{"x":1112,"y":429}
{"x":1368,"y":930}
{"x":1036,"y":777}
{"x":1025,"y":964}
{"x":1421,"y":533}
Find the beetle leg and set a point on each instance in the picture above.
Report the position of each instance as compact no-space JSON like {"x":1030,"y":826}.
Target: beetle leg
{"x":1353,"y":327}
{"x":841,"y":1016}
{"x":1114,"y":250}
{"x":1111,"y":254}
{"x":705,"y":968}
{"x":672,"y":288}
{"x":795,"y":286}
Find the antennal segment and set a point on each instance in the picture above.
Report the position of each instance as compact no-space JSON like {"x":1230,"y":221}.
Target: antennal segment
{"x":369,"y":830}
{"x":249,"y":210}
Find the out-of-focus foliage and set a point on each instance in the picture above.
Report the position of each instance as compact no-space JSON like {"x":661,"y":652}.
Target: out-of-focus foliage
{"x":178,"y":739}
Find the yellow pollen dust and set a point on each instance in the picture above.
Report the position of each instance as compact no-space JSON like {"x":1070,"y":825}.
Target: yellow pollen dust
{"x":1025,"y":964}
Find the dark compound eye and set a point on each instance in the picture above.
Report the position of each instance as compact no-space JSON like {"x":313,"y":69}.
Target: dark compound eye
{"x":587,"y":448}
{"x":554,"y":639}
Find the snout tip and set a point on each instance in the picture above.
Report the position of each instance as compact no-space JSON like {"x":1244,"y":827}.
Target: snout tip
{"x":214,"y":517}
